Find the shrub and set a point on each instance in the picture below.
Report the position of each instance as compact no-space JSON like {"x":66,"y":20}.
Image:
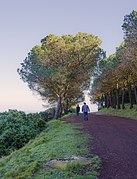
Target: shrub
{"x":48,"y":114}
{"x":17,"y":128}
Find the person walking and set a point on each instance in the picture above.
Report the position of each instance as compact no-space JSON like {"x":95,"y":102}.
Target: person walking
{"x":85,"y":110}
{"x":77,"y":109}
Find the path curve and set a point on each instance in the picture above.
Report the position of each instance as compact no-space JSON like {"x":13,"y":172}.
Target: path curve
{"x":114,"y":141}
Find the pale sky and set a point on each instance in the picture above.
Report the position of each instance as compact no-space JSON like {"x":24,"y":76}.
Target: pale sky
{"x":23,"y":23}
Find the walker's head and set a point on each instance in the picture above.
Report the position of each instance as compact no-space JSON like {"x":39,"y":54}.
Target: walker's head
{"x":84,"y":103}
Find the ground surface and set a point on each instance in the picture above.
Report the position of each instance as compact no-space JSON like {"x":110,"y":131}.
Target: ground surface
{"x":114,"y":141}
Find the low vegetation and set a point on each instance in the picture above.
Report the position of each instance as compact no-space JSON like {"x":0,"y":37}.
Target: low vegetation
{"x":127,"y":112}
{"x":58,"y":140}
{"x":17,"y":128}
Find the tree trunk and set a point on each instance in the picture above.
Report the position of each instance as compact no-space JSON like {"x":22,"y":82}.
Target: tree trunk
{"x":66,"y":107}
{"x":123,"y":99}
{"x":105,"y":98}
{"x":59,"y":108}
{"x":108,"y":101}
{"x":101,"y":102}
{"x":117,"y":97}
{"x":111,"y":100}
{"x":130,"y":97}
{"x":114,"y":99}
{"x":135,"y":92}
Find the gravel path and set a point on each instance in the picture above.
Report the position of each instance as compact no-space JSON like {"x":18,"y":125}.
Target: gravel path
{"x":115,"y":141}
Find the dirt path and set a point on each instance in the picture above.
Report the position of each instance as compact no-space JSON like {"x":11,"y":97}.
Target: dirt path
{"x":115,"y":141}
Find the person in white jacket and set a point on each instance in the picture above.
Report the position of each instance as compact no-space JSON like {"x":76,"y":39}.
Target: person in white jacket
{"x":85,"y":110}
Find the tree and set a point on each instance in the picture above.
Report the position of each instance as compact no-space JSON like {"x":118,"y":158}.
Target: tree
{"x":61,"y":67}
{"x":106,"y":83}
{"x":130,"y":25}
{"x":117,"y":77}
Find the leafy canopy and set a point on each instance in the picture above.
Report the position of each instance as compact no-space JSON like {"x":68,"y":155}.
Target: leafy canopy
{"x":61,"y":65}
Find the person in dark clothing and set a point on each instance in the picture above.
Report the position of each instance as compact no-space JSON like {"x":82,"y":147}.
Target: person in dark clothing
{"x":77,"y":110}
{"x":85,"y":110}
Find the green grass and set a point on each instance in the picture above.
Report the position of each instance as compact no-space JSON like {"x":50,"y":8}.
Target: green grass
{"x":67,"y":116}
{"x":130,"y":113}
{"x":58,"y":140}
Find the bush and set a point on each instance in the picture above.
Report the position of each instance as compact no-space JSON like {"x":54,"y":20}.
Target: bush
{"x":48,"y":114}
{"x":17,"y":128}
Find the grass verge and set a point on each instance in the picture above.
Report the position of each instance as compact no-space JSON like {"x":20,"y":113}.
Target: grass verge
{"x":58,"y":140}
{"x":127,"y":112}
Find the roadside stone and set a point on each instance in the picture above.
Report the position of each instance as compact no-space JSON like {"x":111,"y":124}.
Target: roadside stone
{"x":62,"y":163}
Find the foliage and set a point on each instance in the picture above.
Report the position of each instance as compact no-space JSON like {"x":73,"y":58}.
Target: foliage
{"x":104,"y":80}
{"x":58,"y":140}
{"x":48,"y":114}
{"x":118,"y":73}
{"x":130,"y":24}
{"x":17,"y":128}
{"x":61,"y":67}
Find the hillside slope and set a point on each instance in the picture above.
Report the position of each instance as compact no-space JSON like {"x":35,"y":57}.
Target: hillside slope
{"x":59,"y":140}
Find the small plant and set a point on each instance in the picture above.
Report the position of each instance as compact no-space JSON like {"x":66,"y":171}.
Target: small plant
{"x":75,"y":167}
